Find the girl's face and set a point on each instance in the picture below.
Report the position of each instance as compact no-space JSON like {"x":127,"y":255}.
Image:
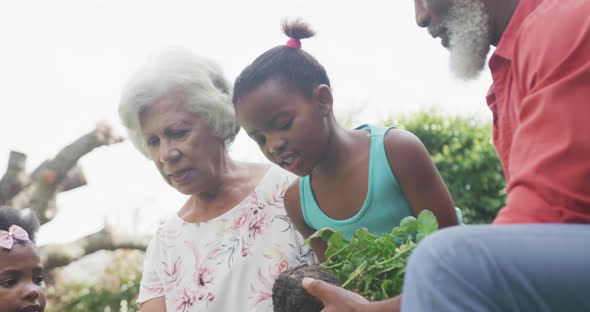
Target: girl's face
{"x":22,"y":288}
{"x":291,"y":130}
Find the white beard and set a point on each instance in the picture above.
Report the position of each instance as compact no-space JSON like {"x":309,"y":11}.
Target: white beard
{"x":468,"y":29}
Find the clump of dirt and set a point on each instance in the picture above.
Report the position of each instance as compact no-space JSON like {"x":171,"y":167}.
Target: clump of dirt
{"x":289,"y":296}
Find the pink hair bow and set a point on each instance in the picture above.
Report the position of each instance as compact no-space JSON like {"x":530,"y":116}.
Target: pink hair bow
{"x":15,"y":232}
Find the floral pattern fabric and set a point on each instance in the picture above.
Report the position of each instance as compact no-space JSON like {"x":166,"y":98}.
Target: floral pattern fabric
{"x":228,"y":263}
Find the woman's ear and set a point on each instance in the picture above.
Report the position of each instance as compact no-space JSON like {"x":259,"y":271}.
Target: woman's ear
{"x":322,"y":95}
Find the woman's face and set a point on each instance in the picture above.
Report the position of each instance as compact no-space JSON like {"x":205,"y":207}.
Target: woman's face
{"x":182,"y":145}
{"x":22,"y":288}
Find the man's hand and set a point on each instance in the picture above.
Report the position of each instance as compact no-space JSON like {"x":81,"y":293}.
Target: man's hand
{"x":337,"y":299}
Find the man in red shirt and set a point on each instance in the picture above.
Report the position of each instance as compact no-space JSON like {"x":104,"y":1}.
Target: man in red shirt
{"x":540,"y":101}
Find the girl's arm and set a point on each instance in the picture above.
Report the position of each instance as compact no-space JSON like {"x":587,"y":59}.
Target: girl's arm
{"x":154,"y":305}
{"x":293,"y":208}
{"x":419,"y":179}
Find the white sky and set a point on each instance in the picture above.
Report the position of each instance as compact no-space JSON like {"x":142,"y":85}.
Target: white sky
{"x":63,"y":64}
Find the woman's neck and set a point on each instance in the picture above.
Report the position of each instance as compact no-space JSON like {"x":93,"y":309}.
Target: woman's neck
{"x":227,"y":173}
{"x":215,"y":200}
{"x":232,"y":187}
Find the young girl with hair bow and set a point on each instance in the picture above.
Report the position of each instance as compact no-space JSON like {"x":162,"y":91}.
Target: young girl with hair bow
{"x":22,"y":286}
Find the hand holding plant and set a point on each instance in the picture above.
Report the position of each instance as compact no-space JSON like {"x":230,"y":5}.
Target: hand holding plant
{"x":370,"y":265}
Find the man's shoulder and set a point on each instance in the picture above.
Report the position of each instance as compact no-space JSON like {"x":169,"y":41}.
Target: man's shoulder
{"x":555,"y":19}
{"x":554,"y":38}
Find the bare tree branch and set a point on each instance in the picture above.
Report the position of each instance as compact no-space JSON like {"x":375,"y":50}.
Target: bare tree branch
{"x":38,"y":190}
{"x":58,"y":255}
{"x":55,"y":175}
{"x":74,"y":179}
{"x":15,"y":178}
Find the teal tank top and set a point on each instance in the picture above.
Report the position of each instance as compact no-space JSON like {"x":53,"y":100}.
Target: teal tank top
{"x":384,"y":207}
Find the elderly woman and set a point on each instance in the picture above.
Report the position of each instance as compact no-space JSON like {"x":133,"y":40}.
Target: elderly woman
{"x":230,"y":240}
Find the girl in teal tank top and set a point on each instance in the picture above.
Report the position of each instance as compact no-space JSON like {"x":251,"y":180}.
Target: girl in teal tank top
{"x":368,"y":177}
{"x":384,"y":207}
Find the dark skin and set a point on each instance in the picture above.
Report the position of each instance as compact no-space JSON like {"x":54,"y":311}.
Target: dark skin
{"x":22,"y":286}
{"x":338,"y":299}
{"x":341,"y":198}
{"x":285,"y":123}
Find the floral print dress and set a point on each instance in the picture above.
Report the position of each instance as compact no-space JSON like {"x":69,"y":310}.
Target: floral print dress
{"x":228,"y":263}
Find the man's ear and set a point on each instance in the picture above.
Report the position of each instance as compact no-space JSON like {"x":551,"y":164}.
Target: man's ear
{"x":322,"y":95}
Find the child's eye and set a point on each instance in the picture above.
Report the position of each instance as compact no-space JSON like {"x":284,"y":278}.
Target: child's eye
{"x":285,"y":124}
{"x":8,"y":283}
{"x":39,"y":279}
{"x":260,"y":140}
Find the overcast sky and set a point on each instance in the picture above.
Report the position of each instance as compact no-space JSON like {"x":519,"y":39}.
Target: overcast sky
{"x":63,"y":64}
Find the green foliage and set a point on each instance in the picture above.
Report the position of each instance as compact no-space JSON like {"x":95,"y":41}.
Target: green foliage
{"x":463,"y":152}
{"x":115,"y":291}
{"x":370,"y":265}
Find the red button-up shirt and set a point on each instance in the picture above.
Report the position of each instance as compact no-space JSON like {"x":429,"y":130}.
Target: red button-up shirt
{"x":540,"y":100}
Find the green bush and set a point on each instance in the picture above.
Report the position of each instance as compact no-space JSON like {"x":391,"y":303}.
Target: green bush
{"x":462,"y":150}
{"x":115,"y":290}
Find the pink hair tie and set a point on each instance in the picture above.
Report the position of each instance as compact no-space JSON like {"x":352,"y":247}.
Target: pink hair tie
{"x":294,"y":43}
{"x":14,"y":233}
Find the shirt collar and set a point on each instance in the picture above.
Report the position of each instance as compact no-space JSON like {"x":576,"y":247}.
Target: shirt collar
{"x":523,"y":10}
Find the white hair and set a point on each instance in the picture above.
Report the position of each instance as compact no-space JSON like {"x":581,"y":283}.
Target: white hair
{"x":469,"y":37}
{"x":207,"y":91}
{"x":467,"y":25}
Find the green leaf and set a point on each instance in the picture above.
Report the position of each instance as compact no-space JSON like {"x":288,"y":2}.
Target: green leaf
{"x":323,"y":233}
{"x":426,"y":224}
{"x":372,"y":265}
{"x":409,"y":225}
{"x":334,"y":239}
{"x":386,"y":288}
{"x":363,"y":234}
